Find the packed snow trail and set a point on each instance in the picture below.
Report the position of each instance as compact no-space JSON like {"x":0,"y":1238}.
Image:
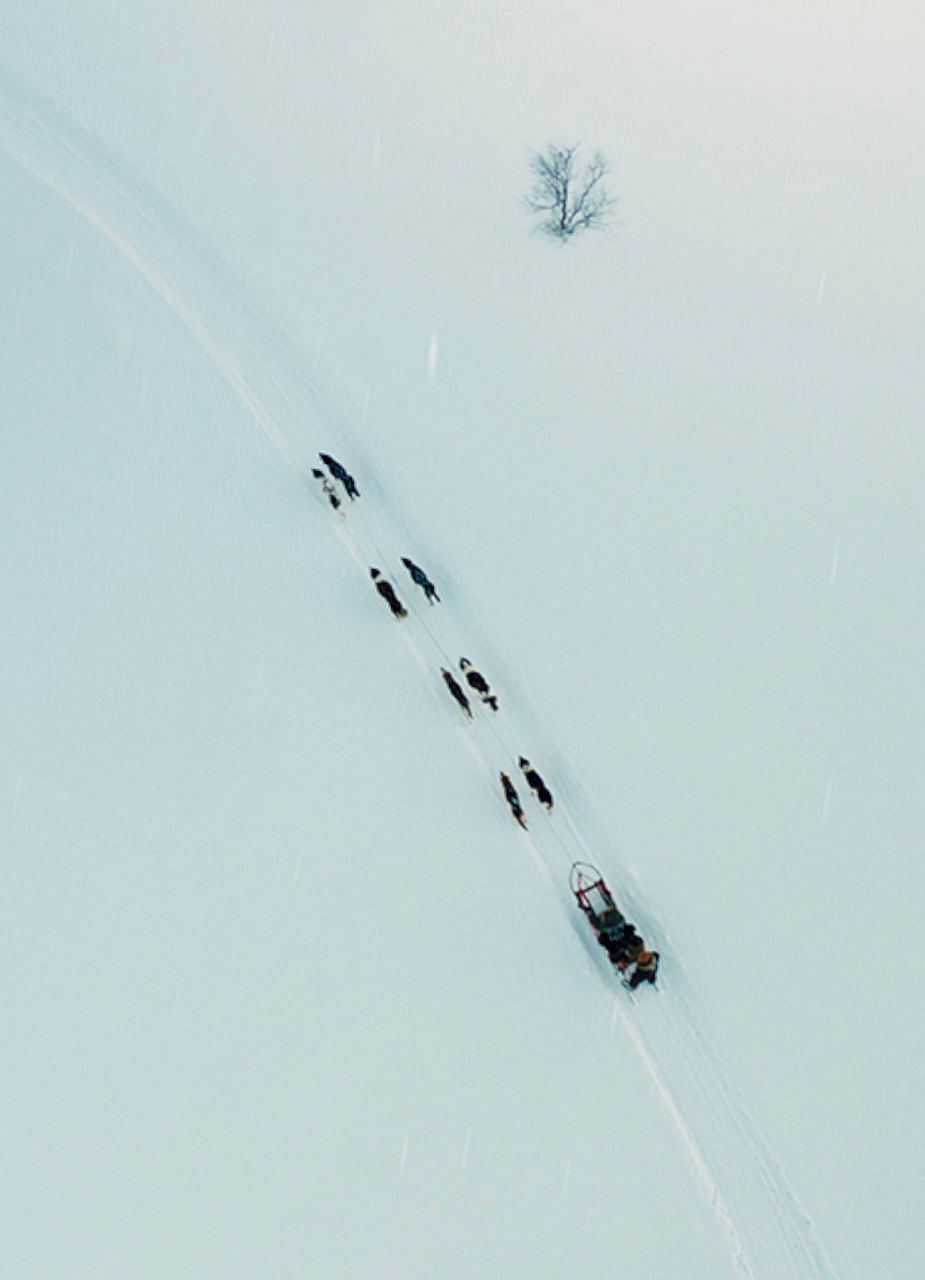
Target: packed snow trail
{"x":769,"y":1234}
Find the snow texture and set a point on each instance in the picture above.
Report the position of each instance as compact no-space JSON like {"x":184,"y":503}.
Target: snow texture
{"x":292,"y":994}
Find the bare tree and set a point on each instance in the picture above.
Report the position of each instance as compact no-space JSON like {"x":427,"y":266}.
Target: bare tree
{"x":568,"y":198}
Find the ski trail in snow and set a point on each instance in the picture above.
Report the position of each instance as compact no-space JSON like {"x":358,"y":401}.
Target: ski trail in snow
{"x":133,"y":220}
{"x":745,"y":1162}
{"x":704,"y":1174}
{"x":728,"y":1156}
{"x":732,"y":1174}
{"x":730,"y":1162}
{"x":821,"y":289}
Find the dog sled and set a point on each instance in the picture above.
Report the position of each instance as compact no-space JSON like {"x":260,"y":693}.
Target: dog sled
{"x":618,"y":937}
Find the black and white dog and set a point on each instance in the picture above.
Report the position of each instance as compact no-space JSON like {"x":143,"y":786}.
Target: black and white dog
{"x":536,"y":783}
{"x":387,"y":591}
{"x":328,"y":489}
{"x":478,"y":682}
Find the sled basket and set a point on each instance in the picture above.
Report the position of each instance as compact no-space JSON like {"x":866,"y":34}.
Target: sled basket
{"x":591,"y":893}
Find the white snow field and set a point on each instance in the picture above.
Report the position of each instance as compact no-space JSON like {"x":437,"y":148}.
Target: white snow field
{"x":287,"y":993}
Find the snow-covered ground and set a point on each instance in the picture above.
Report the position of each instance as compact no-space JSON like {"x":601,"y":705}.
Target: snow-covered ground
{"x":287,"y":992}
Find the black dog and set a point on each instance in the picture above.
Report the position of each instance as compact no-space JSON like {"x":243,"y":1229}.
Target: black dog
{"x":341,"y":473}
{"x":420,"y":577}
{"x":456,"y":690}
{"x":513,"y":799}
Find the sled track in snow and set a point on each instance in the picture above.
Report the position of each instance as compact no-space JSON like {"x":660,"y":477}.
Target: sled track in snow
{"x":769,"y":1234}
